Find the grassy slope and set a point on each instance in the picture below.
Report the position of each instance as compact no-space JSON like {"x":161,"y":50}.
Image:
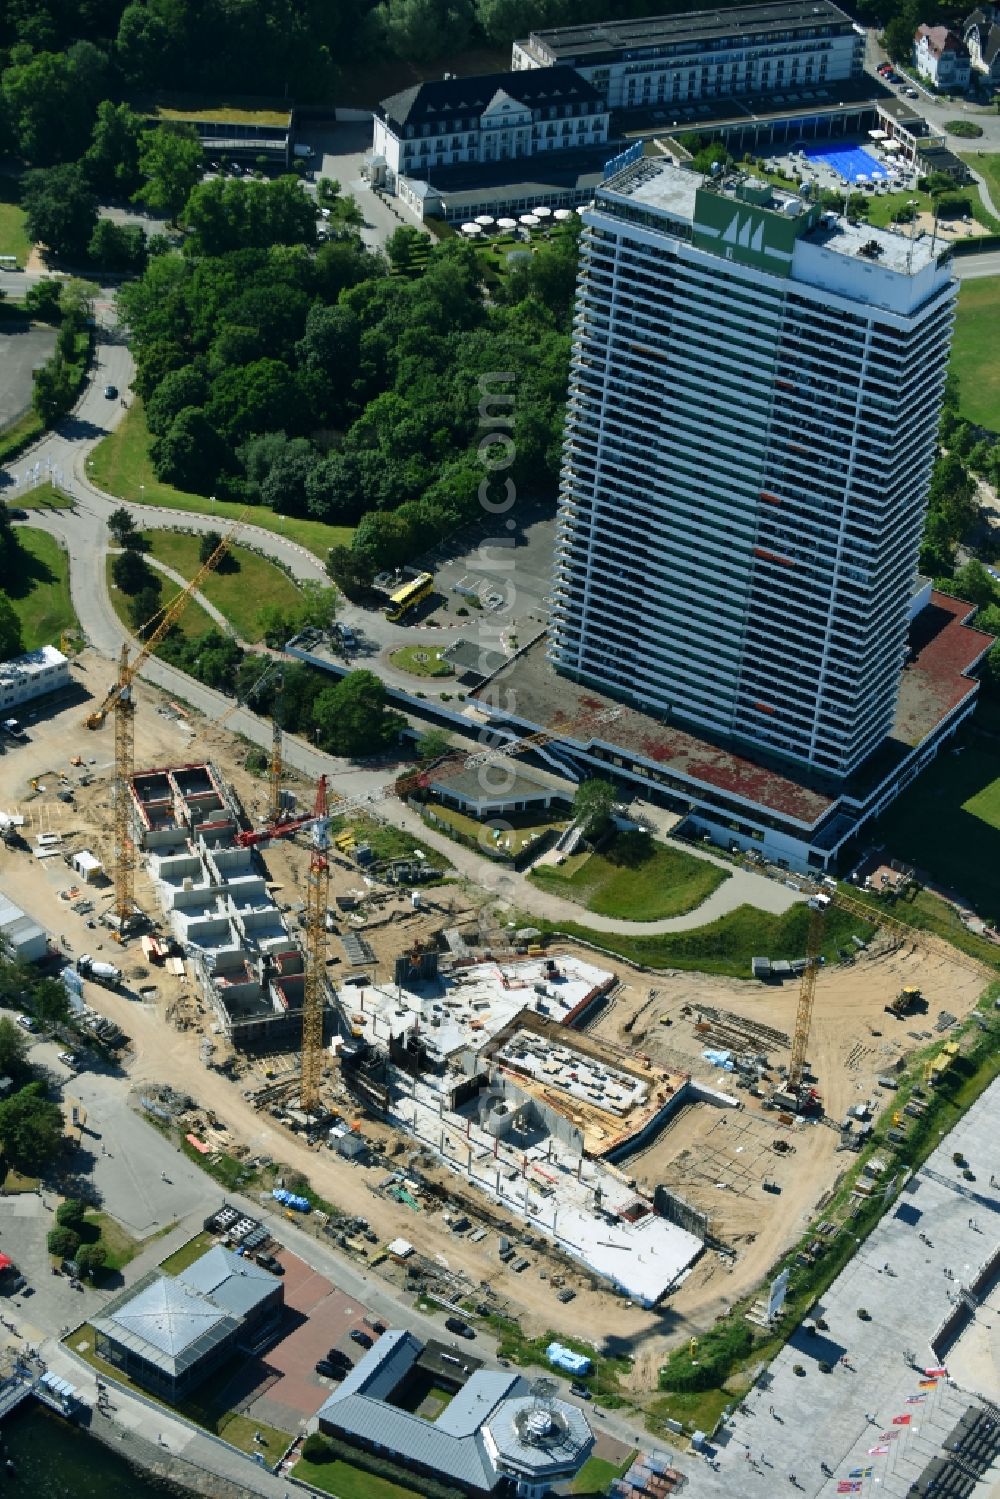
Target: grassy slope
{"x":120,"y":465}
{"x":987,"y":164}
{"x":668,"y":883}
{"x":193,"y":622}
{"x":339,"y":1478}
{"x":41,"y":596}
{"x":973,"y":356}
{"x":13,"y":239}
{"x":239,"y":594}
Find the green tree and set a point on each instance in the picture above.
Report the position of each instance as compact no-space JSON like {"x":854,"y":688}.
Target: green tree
{"x":11,"y":644}
{"x":897,"y":38}
{"x":209,"y":543}
{"x":191,"y":454}
{"x":44,"y":300}
{"x":48,"y":104}
{"x":432,"y":745}
{"x":974,"y":583}
{"x":31,"y":1128}
{"x":13,"y":1048}
{"x":404,"y":246}
{"x":593,"y":806}
{"x":63,"y":1242}
{"x":145,"y":608}
{"x":120,"y":524}
{"x":179,"y":388}
{"x":352,"y":717}
{"x":70,"y":1214}
{"x":151,"y":41}
{"x":130,"y":571}
{"x":50,"y":1002}
{"x":414,"y":29}
{"x":171,"y":161}
{"x":117,"y":247}
{"x":91,"y":1259}
{"x":111,"y":161}
{"x":353,"y":572}
{"x":60,"y":209}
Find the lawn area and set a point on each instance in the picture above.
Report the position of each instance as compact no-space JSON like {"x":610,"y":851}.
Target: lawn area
{"x":420,"y":661}
{"x":119,"y":1245}
{"x":188,"y":1253}
{"x":40,"y":594}
{"x":43,"y":497}
{"x":635,"y":878}
{"x":987,"y":164}
{"x":120,"y":466}
{"x":193,"y":622}
{"x":948,"y":824}
{"x":723,"y":946}
{"x":597,"y":1473}
{"x":240,"y":592}
{"x":386,"y":842}
{"x":13,"y":239}
{"x":973,"y":352}
{"x":19,"y":435}
{"x":523,"y":828}
{"x":698,"y":1410}
{"x":347,"y":1482}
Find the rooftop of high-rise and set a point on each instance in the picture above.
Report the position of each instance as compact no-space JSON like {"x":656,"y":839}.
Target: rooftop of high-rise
{"x":735,"y":210}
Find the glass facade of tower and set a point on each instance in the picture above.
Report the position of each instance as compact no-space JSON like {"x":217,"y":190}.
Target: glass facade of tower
{"x":752,"y":417}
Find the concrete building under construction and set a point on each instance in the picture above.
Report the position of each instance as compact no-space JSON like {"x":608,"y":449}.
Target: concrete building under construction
{"x":216,"y":898}
{"x":483,"y":1064}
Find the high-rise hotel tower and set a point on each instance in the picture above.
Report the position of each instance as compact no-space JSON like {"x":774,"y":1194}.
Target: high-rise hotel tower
{"x":753,"y":410}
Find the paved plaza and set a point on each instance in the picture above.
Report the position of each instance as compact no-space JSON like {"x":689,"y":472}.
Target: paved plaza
{"x":876,"y":1418}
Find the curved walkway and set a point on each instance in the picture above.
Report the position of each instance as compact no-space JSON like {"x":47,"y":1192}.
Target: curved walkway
{"x":83,"y":531}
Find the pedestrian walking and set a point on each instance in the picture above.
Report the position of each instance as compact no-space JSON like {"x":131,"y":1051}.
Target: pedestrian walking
{"x":770,"y":1410}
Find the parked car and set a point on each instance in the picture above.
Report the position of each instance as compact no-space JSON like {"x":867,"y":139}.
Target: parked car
{"x":911,"y":93}
{"x":580,"y":1390}
{"x":340,"y":1358}
{"x":455,"y":1324}
{"x":14,"y":512}
{"x":26,"y":1023}
{"x":270,"y":1263}
{"x":325,"y":1368}
{"x":111,"y":392}
{"x":69,"y":1059}
{"x":361,"y":1338}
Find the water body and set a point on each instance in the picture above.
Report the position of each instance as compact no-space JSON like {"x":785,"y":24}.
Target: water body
{"x":55,"y":1460}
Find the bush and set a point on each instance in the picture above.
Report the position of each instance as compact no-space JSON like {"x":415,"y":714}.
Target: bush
{"x":63,"y":1243}
{"x":864,"y":1315}
{"x":798,"y":1371}
{"x":958,"y":1158}
{"x":824,"y":1367}
{"x":91,"y":1259}
{"x":69,"y":1214}
{"x":967,"y":129}
{"x":316,"y":1448}
{"x":713,"y":1361}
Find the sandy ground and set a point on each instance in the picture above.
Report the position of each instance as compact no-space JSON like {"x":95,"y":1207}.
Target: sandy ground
{"x":716,"y":1159}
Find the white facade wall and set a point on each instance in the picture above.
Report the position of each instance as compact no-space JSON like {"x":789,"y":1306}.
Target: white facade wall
{"x":949,"y":69}
{"x":696,"y":72}
{"x":31,"y":675}
{"x":745,"y":473}
{"x":505,"y":131}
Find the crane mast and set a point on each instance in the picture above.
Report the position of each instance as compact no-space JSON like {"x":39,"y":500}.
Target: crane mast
{"x":314,"y":996}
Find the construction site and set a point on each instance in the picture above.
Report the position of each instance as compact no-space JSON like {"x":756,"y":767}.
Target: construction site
{"x":538,"y":1122}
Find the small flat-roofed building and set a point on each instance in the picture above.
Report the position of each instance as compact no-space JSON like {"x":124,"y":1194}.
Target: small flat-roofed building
{"x":497,"y":791}
{"x":31,"y":675}
{"x":22,"y":938}
{"x":168,"y":1333}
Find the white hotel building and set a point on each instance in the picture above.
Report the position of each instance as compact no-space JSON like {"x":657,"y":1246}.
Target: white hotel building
{"x":789,"y":46}
{"x":752,"y":419}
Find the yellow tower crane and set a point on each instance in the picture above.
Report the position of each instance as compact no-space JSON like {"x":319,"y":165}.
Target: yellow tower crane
{"x":275,"y":768}
{"x":807,"y":996}
{"x":121,"y":699}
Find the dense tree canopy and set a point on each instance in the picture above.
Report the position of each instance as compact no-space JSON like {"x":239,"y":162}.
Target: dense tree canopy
{"x":31,"y":1128}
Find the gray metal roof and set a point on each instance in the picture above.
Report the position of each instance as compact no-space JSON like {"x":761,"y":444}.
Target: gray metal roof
{"x":463,"y":1459}
{"x":234,"y":1283}
{"x":534,"y":1437}
{"x":477,"y":1399}
{"x":452,"y":1445}
{"x":380,"y":1370}
{"x":166,"y":1322}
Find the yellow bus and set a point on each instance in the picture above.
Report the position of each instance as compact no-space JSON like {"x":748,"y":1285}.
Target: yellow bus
{"x":407,"y":595}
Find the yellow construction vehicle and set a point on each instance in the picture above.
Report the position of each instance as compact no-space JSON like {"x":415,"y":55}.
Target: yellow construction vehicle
{"x":906,"y":1001}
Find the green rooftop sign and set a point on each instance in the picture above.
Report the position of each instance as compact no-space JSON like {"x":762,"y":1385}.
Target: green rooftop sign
{"x":739,"y":228}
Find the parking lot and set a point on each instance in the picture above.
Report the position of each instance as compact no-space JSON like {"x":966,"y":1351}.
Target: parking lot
{"x":22,"y":350}
{"x":282,"y":1388}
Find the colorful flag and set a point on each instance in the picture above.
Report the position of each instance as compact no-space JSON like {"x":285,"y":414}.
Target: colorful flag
{"x":846,"y":1487}
{"x":915,"y":1399}
{"x":861,"y":1473}
{"x":901,"y":1420}
{"x":927,"y":1384}
{"x":879,"y":1451}
{"x":938,"y":1372}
